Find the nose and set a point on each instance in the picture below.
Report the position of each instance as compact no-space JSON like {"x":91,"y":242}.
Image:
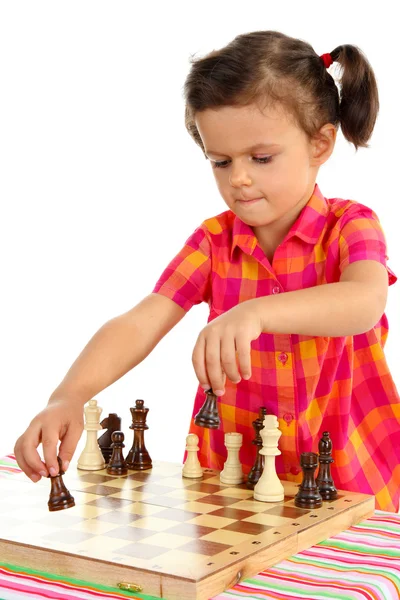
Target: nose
{"x":239,"y":176}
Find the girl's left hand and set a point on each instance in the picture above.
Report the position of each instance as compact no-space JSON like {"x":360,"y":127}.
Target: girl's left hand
{"x":214,"y":354}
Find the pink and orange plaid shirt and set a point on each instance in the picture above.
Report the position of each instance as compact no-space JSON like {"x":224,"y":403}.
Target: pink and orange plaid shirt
{"x":312,"y":384}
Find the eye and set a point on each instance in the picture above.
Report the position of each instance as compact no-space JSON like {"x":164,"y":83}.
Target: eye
{"x":223,"y":163}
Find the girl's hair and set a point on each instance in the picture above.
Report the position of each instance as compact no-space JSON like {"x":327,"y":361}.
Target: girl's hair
{"x":268,"y":67}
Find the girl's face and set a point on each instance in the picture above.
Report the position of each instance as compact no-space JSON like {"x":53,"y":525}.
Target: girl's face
{"x":263,"y":163}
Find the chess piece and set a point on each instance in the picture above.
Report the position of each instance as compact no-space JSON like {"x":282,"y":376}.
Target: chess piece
{"x":208,"y":414}
{"x":308,"y":495}
{"x":111,"y":423}
{"x":258,"y":467}
{"x":60,"y":498}
{"x":117,"y":465}
{"x":232,"y":473}
{"x":192,"y":467}
{"x":91,"y":458}
{"x":324,"y":479}
{"x":269,"y":487}
{"x":138,"y":458}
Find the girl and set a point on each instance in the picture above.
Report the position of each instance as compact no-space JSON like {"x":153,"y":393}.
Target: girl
{"x":296,"y":283}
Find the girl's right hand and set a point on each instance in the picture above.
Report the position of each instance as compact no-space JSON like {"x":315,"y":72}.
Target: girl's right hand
{"x":62,"y":419}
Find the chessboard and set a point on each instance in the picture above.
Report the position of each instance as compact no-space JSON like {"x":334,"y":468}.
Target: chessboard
{"x":168,"y":536}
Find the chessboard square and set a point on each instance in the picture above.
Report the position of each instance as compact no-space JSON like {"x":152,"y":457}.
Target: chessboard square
{"x":68,"y":536}
{"x":176,"y":515}
{"x":186,"y":495}
{"x":94,"y":526}
{"x":175,"y":482}
{"x":218,"y":500}
{"x":144,"y":476}
{"x":208,"y":520}
{"x":83,"y":499}
{"x":133,"y":495}
{"x":198,"y":507}
{"x":110,"y":503}
{"x":154,"y":488}
{"x":247,"y":527}
{"x":252,"y":505}
{"x":232,"y":513}
{"x":231,"y":538}
{"x":140,"y":508}
{"x":102,"y":490}
{"x":206,"y":547}
{"x":191,"y":530}
{"x":94,"y":477}
{"x":165,"y":501}
{"x":166,"y":540}
{"x":154,"y":523}
{"x":271,"y":520}
{"x":123,"y":483}
{"x":90,"y":512}
{"x":215,"y":479}
{"x":206,"y":488}
{"x":289,"y":512}
{"x":100,"y":546}
{"x":29,"y":515}
{"x":28,"y":533}
{"x":60,"y":518}
{"x":129,"y":533}
{"x":241,"y":493}
{"x":142,"y":551}
{"x":119,"y":517}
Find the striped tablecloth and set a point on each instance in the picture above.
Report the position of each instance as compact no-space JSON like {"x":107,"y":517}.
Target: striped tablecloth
{"x":361,"y":563}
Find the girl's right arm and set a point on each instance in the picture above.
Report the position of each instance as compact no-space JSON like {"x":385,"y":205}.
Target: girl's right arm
{"x":117,"y":347}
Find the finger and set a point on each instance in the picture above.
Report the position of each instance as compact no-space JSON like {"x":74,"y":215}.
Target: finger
{"x":199,"y":364}
{"x":68,"y":445}
{"x":216,"y":375}
{"x":228,"y":358}
{"x":49,"y":444}
{"x":28,"y":458}
{"x":243,"y":348}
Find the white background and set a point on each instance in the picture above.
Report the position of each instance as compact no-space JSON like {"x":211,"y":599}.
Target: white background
{"x":100,"y":184}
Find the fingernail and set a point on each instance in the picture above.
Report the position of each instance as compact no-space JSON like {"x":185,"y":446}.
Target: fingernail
{"x":65,"y":465}
{"x":219,"y":392}
{"x":52,"y":471}
{"x":246,"y":376}
{"x":238,"y":380}
{"x":205,"y":386}
{"x":35,"y":477}
{"x":43,"y":473}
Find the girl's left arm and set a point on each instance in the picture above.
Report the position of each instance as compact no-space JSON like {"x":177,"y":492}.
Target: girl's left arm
{"x":349,"y":307}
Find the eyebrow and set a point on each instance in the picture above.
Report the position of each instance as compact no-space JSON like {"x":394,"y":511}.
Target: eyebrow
{"x":251,"y":149}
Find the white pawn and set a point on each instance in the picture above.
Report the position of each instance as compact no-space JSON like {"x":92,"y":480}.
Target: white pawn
{"x":232,"y":473}
{"x":192,"y":467}
{"x":91,"y":458}
{"x":269,"y":487}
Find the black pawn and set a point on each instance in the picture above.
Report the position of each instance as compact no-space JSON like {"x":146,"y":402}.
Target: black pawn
{"x":60,"y":498}
{"x":258,"y":467}
{"x":308,"y":495}
{"x":117,"y":465}
{"x":324,"y":479}
{"x":208,"y":414}
{"x":111,"y":423}
{"x":138,"y":457}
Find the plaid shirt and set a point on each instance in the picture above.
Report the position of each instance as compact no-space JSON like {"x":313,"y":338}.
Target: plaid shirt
{"x":312,"y":384}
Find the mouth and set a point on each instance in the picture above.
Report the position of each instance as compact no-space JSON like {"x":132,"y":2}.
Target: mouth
{"x":248,"y":202}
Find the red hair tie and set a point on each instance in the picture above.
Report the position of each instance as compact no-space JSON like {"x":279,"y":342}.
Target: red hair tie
{"x":327,"y":60}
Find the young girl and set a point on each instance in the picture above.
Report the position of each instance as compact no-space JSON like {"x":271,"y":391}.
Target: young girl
{"x":296,"y":283}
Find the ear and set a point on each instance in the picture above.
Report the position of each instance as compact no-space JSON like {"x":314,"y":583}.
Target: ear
{"x":322,"y":144}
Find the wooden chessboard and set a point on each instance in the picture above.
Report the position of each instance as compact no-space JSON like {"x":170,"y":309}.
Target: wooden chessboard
{"x":173,"y":537}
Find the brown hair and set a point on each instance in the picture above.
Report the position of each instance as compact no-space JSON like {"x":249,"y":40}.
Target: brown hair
{"x":268,"y":67}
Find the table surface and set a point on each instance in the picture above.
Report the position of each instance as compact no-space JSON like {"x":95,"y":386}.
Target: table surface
{"x":361,"y":563}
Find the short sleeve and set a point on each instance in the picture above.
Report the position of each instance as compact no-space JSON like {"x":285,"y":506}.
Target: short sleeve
{"x":361,"y":237}
{"x":187,"y":278}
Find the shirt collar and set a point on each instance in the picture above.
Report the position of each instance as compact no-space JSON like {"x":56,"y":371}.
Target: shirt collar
{"x":307,"y":227}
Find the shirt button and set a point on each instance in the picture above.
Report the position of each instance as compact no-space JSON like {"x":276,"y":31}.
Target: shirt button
{"x":288,"y":418}
{"x":283,"y":357}
{"x":295,"y":470}
{"x":275,"y":290}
